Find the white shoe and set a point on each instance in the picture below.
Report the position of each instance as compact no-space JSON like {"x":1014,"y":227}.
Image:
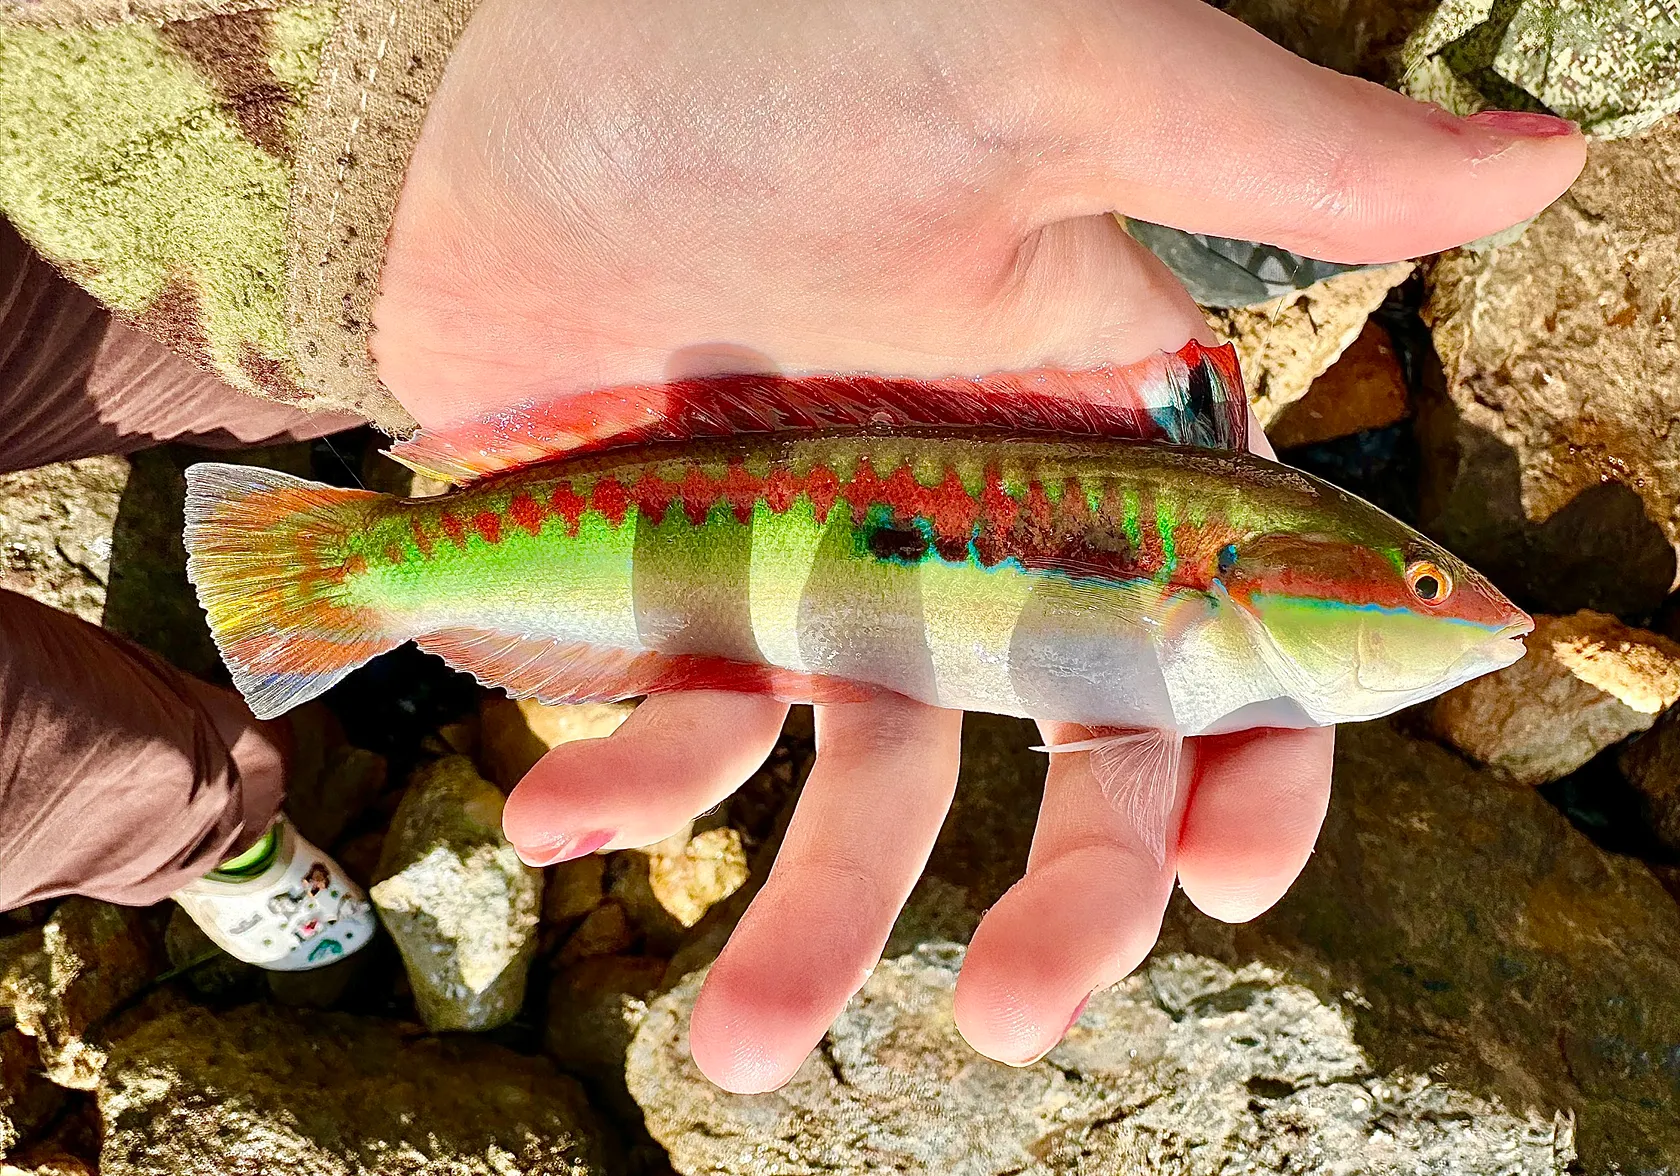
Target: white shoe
{"x":301,"y":912}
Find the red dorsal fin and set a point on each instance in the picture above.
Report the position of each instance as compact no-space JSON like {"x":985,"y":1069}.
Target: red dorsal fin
{"x":565,"y":671}
{"x":1191,"y":397}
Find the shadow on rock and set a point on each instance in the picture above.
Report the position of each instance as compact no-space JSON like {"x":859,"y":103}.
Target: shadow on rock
{"x":1601,"y":550}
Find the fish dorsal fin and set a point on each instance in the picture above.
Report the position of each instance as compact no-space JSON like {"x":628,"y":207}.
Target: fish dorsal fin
{"x":554,"y":672}
{"x":1191,"y":397}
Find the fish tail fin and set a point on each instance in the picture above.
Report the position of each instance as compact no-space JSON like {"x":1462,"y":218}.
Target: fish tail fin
{"x":269,"y":556}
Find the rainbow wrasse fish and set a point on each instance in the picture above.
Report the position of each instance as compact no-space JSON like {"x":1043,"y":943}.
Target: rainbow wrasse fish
{"x":1096,"y":547}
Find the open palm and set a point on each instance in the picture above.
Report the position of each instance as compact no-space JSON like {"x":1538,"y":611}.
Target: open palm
{"x":611,"y":192}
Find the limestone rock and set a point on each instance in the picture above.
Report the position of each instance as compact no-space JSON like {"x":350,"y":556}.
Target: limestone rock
{"x":1189,"y":1066}
{"x":1551,"y":456}
{"x":461,"y":906}
{"x":1612,"y":65}
{"x":515,"y":735}
{"x":1588,"y":681}
{"x":1286,"y":344}
{"x":1364,"y":389}
{"x":672,"y":884}
{"x":256,"y":1089}
{"x":55,"y":532}
{"x":27,"y":1097}
{"x":1474,"y":935}
{"x":64,"y":979}
{"x":1651,"y":764}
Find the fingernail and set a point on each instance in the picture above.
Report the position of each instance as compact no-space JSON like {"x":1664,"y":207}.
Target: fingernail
{"x":1077,"y":1009}
{"x":1523,"y":124}
{"x":565,"y":849}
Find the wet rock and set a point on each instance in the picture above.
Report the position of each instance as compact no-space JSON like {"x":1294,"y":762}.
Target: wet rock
{"x":1612,"y":66}
{"x":1364,"y":389}
{"x":63,"y":980}
{"x":1187,"y":1066}
{"x":460,"y":905}
{"x":515,"y":735}
{"x":1287,"y":343}
{"x":1651,"y":764}
{"x":28,"y":1097}
{"x":55,"y":532}
{"x":195,"y":1093}
{"x":1474,"y":935}
{"x":1550,"y":453}
{"x":1587,"y":682}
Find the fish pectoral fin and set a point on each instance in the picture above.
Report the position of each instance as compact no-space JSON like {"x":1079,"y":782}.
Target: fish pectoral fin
{"x":1138,"y":773}
{"x":554,"y":671}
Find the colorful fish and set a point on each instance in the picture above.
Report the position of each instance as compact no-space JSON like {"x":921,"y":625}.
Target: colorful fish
{"x":1092,"y":547}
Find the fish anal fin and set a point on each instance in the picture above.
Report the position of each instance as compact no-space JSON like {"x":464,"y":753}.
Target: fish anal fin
{"x":1138,"y":773}
{"x":553,"y":671}
{"x":1193,"y":396}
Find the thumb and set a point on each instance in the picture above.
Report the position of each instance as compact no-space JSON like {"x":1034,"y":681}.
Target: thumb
{"x":1192,"y":119}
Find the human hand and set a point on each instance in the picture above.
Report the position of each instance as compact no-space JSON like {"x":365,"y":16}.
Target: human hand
{"x":610,"y":192}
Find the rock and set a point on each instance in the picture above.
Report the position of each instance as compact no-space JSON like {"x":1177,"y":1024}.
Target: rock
{"x":210,"y":970}
{"x":195,"y":1093}
{"x":55,"y":532}
{"x":63,"y":980}
{"x":674,"y":883}
{"x":1286,"y":344}
{"x":515,"y":735}
{"x":1587,"y":681}
{"x":461,"y":906}
{"x":28,"y":1097}
{"x":1348,"y":36}
{"x":1189,"y":1066}
{"x":604,"y":931}
{"x":1651,"y":764}
{"x":149,"y":599}
{"x":574,"y":888}
{"x":594,"y":1009}
{"x":1613,"y":66}
{"x":48,"y":1162}
{"x":1550,"y":455}
{"x":1474,"y":935}
{"x":1364,"y":389}
{"x":331,"y":782}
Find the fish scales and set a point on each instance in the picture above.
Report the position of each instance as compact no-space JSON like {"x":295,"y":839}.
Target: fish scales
{"x":956,"y":570}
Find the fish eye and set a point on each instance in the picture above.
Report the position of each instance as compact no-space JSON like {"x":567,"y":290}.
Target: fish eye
{"x":897,"y":543}
{"x":1428,"y":582}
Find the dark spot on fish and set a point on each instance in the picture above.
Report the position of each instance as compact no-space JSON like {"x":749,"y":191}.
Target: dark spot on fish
{"x":898,"y":544}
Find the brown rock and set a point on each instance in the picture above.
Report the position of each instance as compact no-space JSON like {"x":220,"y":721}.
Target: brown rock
{"x":1588,"y":681}
{"x":1651,"y":764}
{"x":515,"y":735}
{"x":1286,"y":344}
{"x":28,"y":1097}
{"x":604,"y":931}
{"x":594,"y":1009}
{"x":1551,"y":455}
{"x":1364,"y":389}
{"x":257,"y":1089}
{"x":1349,"y":36}
{"x":574,"y":888}
{"x":55,"y":532}
{"x":65,"y":979}
{"x":682,"y":878}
